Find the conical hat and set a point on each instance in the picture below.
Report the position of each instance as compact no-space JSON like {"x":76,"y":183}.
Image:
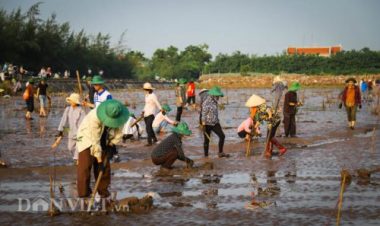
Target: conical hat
{"x":254,"y":101}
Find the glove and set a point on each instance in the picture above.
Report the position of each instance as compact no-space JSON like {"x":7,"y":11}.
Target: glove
{"x":360,"y":106}
{"x":340,"y":105}
{"x":60,"y":134}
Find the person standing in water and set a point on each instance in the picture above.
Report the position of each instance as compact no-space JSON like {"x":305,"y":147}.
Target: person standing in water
{"x":150,"y":109}
{"x":180,"y":94}
{"x":290,"y":109}
{"x":73,"y":115}
{"x":42,"y":96}
{"x":28,"y":96}
{"x":351,"y":99}
{"x":210,"y":120}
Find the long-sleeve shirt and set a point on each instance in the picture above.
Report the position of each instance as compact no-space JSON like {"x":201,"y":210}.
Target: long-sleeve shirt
{"x":73,"y":117}
{"x":191,"y":89}
{"x":90,"y":132}
{"x":159,"y":118}
{"x":151,"y":104}
{"x":246,"y":125}
{"x":290,"y":97}
{"x":180,"y":94}
{"x":357,"y":100}
{"x":167,"y":145}
{"x":210,"y":111}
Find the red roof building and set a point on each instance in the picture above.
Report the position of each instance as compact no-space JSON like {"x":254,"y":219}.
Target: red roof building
{"x":321,"y":51}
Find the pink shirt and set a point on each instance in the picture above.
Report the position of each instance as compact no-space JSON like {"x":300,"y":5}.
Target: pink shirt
{"x":245,"y":125}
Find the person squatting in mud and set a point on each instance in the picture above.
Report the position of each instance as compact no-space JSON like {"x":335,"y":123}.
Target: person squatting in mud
{"x":210,"y":120}
{"x":150,"y":109}
{"x":260,"y":113}
{"x":291,"y":105}
{"x":73,"y":115}
{"x":97,"y":137}
{"x":170,"y":149}
{"x":161,"y":120}
{"x":351,"y":99}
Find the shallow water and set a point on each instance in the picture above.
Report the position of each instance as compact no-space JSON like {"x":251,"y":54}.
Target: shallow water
{"x":302,"y":186}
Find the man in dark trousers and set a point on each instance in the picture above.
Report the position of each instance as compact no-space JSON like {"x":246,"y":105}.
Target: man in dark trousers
{"x":290,"y":109}
{"x":170,"y":149}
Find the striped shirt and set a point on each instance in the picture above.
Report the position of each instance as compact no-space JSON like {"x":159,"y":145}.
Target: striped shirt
{"x":101,"y":97}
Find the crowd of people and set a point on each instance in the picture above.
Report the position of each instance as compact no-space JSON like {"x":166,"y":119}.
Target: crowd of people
{"x":93,"y":137}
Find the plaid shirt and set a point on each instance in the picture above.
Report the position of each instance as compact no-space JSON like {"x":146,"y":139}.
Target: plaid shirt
{"x":172,"y":141}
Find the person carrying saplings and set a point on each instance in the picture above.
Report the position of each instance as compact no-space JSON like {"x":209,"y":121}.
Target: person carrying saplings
{"x":170,"y":149}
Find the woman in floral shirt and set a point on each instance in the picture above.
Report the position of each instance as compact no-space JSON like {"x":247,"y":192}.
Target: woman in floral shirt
{"x":210,"y":120}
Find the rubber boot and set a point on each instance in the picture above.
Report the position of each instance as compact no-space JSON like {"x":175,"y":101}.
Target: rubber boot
{"x":281,"y":148}
{"x":268,"y":150}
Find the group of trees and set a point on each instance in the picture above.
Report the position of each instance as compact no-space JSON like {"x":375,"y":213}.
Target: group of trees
{"x":27,"y":40}
{"x":346,"y":62}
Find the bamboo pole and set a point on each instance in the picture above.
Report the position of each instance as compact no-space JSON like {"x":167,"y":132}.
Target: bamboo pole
{"x":79,"y":84}
{"x":340,"y":200}
{"x":248,"y":150}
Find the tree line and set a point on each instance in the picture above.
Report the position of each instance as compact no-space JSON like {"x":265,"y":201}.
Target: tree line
{"x":27,"y":40}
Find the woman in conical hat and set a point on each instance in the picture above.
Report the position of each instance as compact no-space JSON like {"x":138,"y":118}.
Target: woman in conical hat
{"x":73,"y":115}
{"x":259,"y":113}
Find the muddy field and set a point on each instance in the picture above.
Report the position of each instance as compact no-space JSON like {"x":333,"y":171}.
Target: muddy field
{"x":300,"y":188}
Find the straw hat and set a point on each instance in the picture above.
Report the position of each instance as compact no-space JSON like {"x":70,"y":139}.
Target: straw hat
{"x":255,"y":101}
{"x":97,"y":80}
{"x":277,"y":79}
{"x":73,"y":98}
{"x":112,"y":113}
{"x":216,"y":91}
{"x":351,"y":80}
{"x":295,"y":86}
{"x":148,"y":86}
{"x":182,"y":128}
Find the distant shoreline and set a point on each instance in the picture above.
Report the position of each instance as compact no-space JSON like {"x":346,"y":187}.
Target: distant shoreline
{"x":235,"y":80}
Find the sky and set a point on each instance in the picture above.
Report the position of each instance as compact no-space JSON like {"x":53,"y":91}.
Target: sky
{"x":249,"y":26}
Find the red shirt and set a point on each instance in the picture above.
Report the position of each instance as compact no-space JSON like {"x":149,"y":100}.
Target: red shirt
{"x":191,"y":89}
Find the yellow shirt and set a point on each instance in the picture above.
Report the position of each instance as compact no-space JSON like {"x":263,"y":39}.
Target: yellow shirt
{"x":350,"y":100}
{"x":90,"y":131}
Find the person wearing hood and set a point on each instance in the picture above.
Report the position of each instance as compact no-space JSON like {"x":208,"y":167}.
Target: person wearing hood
{"x":290,"y":109}
{"x":150,"y":109}
{"x":180,"y":94}
{"x":210,"y":120}
{"x":170,"y":149}
{"x":351,"y":99}
{"x":73,"y":115}
{"x":98,"y":134}
{"x":161,"y":120}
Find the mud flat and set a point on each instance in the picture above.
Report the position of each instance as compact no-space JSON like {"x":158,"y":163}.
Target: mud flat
{"x":300,"y":188}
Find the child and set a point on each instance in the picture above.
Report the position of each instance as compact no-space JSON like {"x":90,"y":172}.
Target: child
{"x":73,"y":115}
{"x":162,"y":120}
{"x":130,"y":132}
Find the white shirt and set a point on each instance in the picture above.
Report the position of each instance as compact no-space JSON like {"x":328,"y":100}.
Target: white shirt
{"x":159,"y":118}
{"x":132,"y":130}
{"x":101,"y":97}
{"x":151,"y":104}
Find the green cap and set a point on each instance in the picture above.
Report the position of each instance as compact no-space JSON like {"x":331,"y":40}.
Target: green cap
{"x":88,"y":79}
{"x":216,"y":91}
{"x":112,"y":113}
{"x":31,"y":81}
{"x":182,"y":81}
{"x":97,"y":80}
{"x":166,"y":108}
{"x":182,"y":128}
{"x":295,"y":86}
